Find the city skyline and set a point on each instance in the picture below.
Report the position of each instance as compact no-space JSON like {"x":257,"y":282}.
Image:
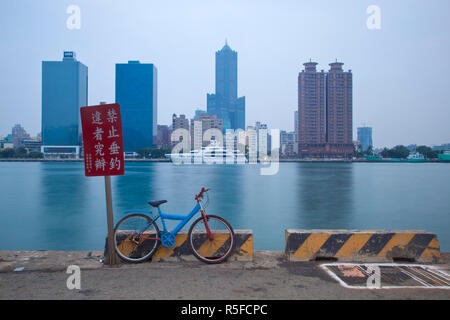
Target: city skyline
{"x":401,"y":106}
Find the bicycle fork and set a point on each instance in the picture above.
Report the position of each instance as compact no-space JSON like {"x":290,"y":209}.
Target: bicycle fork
{"x":205,"y":220}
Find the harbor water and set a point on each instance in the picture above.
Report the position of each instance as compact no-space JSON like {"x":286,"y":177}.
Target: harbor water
{"x":53,"y":206}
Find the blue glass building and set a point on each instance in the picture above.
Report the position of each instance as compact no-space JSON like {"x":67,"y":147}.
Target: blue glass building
{"x":225,"y":103}
{"x":365,"y":138}
{"x":136,"y":92}
{"x":64,"y":91}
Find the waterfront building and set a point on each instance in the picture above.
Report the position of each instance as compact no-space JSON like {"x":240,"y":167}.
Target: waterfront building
{"x":249,"y":138}
{"x":365,"y":138}
{"x":6,"y":145}
{"x":262,"y":139}
{"x":163,"y":137}
{"x":18,"y":135}
{"x":311,"y":109}
{"x":32,"y":145}
{"x":287,"y":143}
{"x":180,"y":122}
{"x":325,"y":112}
{"x":136,"y":92}
{"x":225,"y":103}
{"x":64,"y":91}
{"x":340,"y":110}
{"x":196,"y":134}
{"x":198,"y":127}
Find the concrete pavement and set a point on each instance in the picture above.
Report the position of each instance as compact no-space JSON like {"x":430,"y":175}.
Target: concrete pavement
{"x":268,"y":276}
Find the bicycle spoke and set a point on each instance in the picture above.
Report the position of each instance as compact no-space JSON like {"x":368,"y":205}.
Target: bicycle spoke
{"x":211,"y":250}
{"x":135,"y":239}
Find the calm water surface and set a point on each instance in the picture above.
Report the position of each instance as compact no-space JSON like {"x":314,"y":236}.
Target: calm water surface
{"x":54,"y":206}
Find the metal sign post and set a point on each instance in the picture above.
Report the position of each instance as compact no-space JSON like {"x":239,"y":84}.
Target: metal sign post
{"x":104,"y":156}
{"x":111,"y":258}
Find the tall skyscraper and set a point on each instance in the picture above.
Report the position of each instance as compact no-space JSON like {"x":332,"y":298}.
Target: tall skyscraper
{"x":64,"y":91}
{"x":136,"y":92}
{"x":325,"y":112}
{"x":311,"y":109}
{"x":340,"y":109}
{"x":365,"y":137}
{"x":225,"y":103}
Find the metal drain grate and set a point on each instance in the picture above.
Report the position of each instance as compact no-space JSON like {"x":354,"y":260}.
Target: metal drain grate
{"x":388,"y":276}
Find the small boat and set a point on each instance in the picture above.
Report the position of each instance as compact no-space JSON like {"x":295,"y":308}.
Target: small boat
{"x":416,"y":157}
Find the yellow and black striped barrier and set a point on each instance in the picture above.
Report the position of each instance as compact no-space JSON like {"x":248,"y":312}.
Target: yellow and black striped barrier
{"x":361,"y":246}
{"x":243,"y":247}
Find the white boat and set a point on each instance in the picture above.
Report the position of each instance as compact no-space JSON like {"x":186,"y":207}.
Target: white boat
{"x":213,"y":153}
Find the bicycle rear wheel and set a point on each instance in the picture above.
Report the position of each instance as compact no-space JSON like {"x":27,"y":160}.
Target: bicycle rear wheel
{"x":214,"y":250}
{"x":134,"y":239}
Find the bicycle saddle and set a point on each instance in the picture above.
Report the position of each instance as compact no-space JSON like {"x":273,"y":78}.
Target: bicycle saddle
{"x":156,"y":204}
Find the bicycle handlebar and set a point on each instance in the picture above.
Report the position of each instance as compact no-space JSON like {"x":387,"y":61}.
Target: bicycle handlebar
{"x":200,"y":195}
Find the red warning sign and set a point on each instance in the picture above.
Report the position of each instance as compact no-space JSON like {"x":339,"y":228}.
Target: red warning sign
{"x":102,"y":140}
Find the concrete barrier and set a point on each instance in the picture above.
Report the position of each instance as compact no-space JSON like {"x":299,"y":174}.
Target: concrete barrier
{"x":361,"y":246}
{"x":243,"y":249}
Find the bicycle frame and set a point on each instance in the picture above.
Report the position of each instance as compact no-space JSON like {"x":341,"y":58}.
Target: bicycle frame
{"x":184,"y":219}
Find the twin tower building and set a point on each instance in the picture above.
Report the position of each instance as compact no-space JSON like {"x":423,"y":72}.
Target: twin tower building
{"x":325,"y":112}
{"x":65,"y":90}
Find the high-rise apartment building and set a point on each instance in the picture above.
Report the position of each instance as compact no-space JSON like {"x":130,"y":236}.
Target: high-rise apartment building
{"x":225,"y":103}
{"x":325,"y":112}
{"x":136,"y":92}
{"x":340,"y":110}
{"x":365,"y":138}
{"x":311,"y":108}
{"x":64,"y":91}
{"x":180,"y":122}
{"x":262,"y":134}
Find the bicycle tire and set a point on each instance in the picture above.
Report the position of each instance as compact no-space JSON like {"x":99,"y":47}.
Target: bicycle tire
{"x":226,"y":247}
{"x":139,"y":248}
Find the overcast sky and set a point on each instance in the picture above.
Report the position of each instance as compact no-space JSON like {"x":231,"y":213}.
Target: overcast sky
{"x":401,"y":72}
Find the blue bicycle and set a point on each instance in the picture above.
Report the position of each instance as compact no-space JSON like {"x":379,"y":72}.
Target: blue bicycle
{"x":137,"y":236}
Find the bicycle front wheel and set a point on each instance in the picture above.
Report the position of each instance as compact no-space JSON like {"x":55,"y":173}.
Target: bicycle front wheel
{"x":217,"y":249}
{"x":136,"y":238}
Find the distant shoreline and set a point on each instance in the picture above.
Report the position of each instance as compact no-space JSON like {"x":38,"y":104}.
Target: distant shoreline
{"x":168,"y":160}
